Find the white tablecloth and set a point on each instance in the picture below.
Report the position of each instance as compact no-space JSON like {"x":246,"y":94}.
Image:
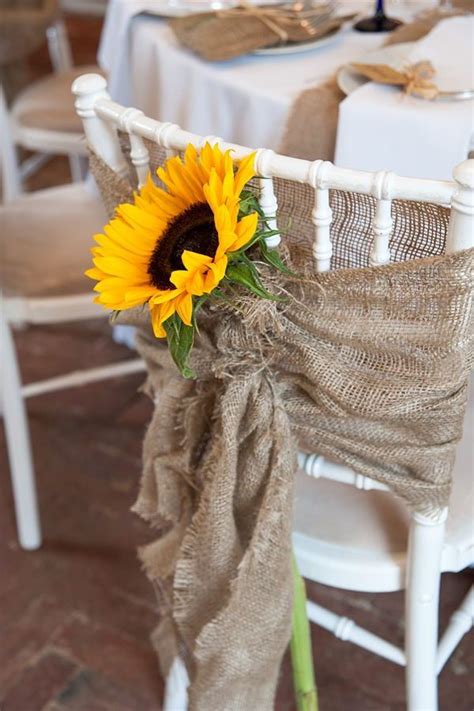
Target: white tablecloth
{"x":246,"y":100}
{"x":380,"y":128}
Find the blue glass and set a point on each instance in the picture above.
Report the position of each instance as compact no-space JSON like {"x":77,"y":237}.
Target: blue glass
{"x":379,"y":22}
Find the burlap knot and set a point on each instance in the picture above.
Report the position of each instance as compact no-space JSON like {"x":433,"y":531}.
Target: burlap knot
{"x":413,"y":78}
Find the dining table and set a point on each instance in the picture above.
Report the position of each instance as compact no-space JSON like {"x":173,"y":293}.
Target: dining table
{"x":249,"y":99}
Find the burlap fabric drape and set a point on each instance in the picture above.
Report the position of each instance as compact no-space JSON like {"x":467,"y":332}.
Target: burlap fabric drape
{"x":365,"y":365}
{"x":311,"y":128}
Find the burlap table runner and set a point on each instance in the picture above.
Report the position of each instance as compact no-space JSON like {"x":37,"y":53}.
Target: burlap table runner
{"x":311,"y":128}
{"x":367,"y":366}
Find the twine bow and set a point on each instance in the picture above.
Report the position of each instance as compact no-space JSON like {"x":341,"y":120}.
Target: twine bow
{"x":414,"y":78}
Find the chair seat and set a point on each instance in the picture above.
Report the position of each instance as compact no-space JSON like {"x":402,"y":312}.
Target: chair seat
{"x":45,"y":241}
{"x":48,"y":103}
{"x":357,"y":540}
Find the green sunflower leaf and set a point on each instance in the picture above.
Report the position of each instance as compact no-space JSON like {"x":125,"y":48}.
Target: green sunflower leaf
{"x":198,"y":302}
{"x":272,"y":257}
{"x":180,"y":342}
{"x":249,"y":203}
{"x":245,"y":274}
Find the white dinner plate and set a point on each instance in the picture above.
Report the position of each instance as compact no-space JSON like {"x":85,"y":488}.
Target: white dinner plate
{"x":297,"y":47}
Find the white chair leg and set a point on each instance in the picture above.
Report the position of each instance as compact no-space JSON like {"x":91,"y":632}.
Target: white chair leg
{"x":11,"y":178}
{"x":18,"y":444}
{"x":460,"y":623}
{"x":177,"y":682}
{"x":76,"y":168}
{"x":421,"y":611}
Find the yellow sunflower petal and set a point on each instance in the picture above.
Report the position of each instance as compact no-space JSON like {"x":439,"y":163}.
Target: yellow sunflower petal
{"x":168,"y":295}
{"x":118,"y":267}
{"x":179,"y":278}
{"x":244,"y":172}
{"x":139,"y":244}
{"x":158,"y":329}
{"x":167,"y":309}
{"x":182,"y":184}
{"x":140,"y":292}
{"x":222,"y":219}
{"x":134,"y":216}
{"x":189,"y":181}
{"x":215,"y":274}
{"x":109,"y":248}
{"x":170,"y":205}
{"x":196,"y":284}
{"x":228,"y":185}
{"x":129,"y":237}
{"x":119,"y":306}
{"x":207,"y":158}
{"x":211,"y":197}
{"x":215,"y":185}
{"x":194,"y":260}
{"x":245,"y":230}
{"x":184,"y":307}
{"x":117,"y":283}
{"x":95,"y":273}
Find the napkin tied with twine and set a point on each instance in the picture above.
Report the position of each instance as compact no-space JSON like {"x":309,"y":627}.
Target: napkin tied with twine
{"x":366,"y":366}
{"x":415,"y":79}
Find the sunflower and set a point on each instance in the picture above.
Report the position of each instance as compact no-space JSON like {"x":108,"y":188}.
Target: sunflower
{"x":171,"y":245}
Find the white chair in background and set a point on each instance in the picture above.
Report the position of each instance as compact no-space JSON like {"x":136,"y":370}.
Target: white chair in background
{"x":42,"y":115}
{"x":45,"y":241}
{"x":376,"y":545}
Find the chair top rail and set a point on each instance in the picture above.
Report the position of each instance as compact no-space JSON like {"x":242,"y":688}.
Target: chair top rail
{"x":383,"y":185}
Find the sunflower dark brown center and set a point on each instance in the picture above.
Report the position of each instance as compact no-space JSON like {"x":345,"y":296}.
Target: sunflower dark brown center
{"x":194,"y":230}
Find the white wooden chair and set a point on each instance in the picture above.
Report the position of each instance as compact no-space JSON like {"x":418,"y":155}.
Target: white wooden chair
{"x":42,"y":116}
{"x":45,"y":241}
{"x":382,"y":547}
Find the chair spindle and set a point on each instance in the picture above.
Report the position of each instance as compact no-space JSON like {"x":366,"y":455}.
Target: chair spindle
{"x":383,"y":223}
{"x":321,"y":215}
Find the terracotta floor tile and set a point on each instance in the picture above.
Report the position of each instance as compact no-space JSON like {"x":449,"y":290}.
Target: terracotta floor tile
{"x":39,"y":681}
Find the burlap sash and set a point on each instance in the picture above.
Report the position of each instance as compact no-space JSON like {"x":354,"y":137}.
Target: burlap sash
{"x":367,"y":366}
{"x":311,"y":127}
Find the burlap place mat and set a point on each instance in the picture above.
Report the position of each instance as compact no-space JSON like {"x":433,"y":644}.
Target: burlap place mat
{"x":367,"y":366}
{"x":311,"y":127}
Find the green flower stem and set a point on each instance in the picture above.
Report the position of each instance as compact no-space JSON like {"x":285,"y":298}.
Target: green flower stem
{"x":300,"y":648}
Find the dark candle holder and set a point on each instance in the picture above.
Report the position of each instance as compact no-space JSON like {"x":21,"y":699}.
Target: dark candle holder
{"x":379,"y":22}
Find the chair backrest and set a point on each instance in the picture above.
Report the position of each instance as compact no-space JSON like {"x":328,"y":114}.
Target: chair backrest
{"x":103,"y":117}
{"x":323,"y":183}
